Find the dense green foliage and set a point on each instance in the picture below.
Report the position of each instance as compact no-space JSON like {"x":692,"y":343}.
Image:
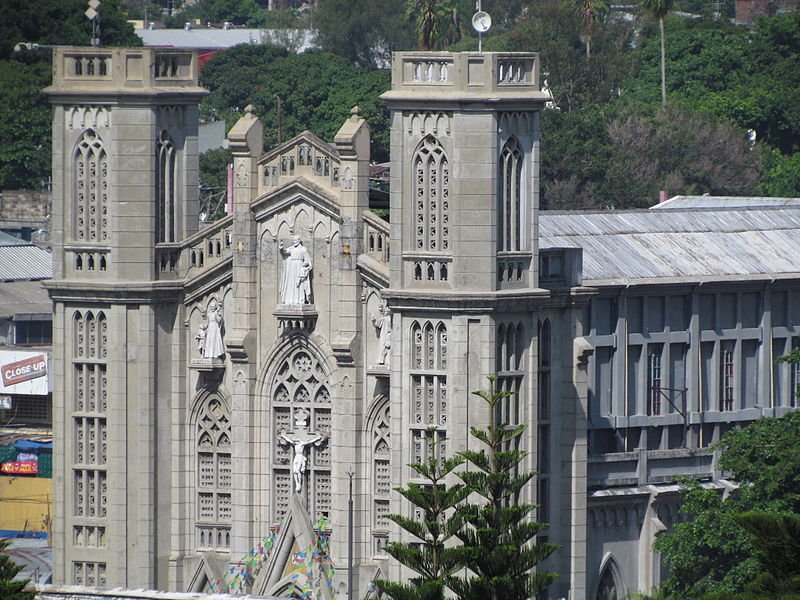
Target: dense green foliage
{"x":608,"y":142}
{"x":713,"y":555}
{"x":498,"y":539}
{"x":25,"y":113}
{"x":316,"y":90}
{"x":9,"y":588}
{"x":430,"y":555}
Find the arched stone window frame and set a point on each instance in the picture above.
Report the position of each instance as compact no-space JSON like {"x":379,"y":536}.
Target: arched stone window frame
{"x":291,"y":385}
{"x":212,"y":449}
{"x":166,"y":187}
{"x":610,"y":584}
{"x":512,"y":217}
{"x":431,"y":189}
{"x":378,"y":431}
{"x":90,"y":189}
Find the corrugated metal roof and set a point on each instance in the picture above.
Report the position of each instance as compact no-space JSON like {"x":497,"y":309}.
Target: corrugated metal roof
{"x":204,"y":38}
{"x":725,"y":202}
{"x":19,"y":262}
{"x":624,"y":246}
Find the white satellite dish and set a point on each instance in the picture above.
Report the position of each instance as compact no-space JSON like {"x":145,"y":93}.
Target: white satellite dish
{"x":481,"y":21}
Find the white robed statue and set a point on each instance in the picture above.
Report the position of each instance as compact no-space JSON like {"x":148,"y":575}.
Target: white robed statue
{"x":295,"y":282}
{"x":210,"y":342}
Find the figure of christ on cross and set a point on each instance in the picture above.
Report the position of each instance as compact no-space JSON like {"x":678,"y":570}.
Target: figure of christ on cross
{"x":300,"y":440}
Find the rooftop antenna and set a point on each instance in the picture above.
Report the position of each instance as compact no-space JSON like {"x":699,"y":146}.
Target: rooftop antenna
{"x":481,"y":22}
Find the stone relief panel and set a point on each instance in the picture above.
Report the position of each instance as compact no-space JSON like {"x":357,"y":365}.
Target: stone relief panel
{"x":82,"y":117}
{"x":429,"y":123}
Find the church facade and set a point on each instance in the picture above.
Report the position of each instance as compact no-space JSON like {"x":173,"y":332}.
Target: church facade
{"x":224,"y":395}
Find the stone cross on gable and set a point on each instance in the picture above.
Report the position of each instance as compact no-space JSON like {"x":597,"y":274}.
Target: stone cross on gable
{"x":300,"y":439}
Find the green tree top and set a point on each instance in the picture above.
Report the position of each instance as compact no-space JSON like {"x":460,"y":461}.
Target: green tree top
{"x":430,"y":555}
{"x":11,"y":589}
{"x":498,"y":536}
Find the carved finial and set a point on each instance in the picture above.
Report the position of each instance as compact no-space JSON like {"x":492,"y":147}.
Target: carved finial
{"x":355,"y":113}
{"x":249,"y":109}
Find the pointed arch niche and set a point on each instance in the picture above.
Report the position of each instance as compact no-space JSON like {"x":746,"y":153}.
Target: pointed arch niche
{"x":511,"y":209}
{"x":379,"y":436}
{"x":211,"y":421}
{"x":300,"y":380}
{"x":610,"y":585}
{"x":166,"y":187}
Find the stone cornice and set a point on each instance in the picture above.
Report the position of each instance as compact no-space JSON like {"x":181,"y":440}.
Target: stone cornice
{"x":126,"y":292}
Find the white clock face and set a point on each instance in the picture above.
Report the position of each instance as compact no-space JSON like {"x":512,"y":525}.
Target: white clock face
{"x":481,"y":22}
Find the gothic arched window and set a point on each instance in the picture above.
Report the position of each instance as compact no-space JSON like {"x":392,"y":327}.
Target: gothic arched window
{"x":165,"y":188}
{"x":431,"y":197}
{"x":301,"y":384}
{"x":512,"y":218}
{"x":90,"y":181}
{"x":213,"y":452}
{"x":379,"y":427}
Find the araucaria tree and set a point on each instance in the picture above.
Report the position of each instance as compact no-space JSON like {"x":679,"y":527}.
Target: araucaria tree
{"x":428,"y":554}
{"x":10,"y":588}
{"x":498,"y":535}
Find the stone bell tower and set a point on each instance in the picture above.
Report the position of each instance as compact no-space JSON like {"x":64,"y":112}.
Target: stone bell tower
{"x":125,"y":191}
{"x":464,"y":292}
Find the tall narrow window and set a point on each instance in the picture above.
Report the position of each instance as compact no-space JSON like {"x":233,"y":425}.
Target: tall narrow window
{"x":431,"y":197}
{"x":88,"y":427}
{"x":381,"y":477}
{"x":654,"y":382}
{"x":90,"y":180}
{"x":543,"y":462}
{"x":794,"y":380}
{"x":213,"y":439}
{"x":165,"y":188}
{"x":429,"y":401}
{"x":511,"y":217}
{"x":726,"y":376}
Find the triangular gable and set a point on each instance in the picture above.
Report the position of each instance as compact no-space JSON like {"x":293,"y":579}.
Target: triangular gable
{"x":306,"y":137}
{"x":282,"y":198}
{"x":303,"y":156}
{"x":209,"y":574}
{"x":295,"y":564}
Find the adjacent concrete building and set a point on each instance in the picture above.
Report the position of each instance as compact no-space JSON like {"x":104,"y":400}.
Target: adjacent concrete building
{"x":218,"y":391}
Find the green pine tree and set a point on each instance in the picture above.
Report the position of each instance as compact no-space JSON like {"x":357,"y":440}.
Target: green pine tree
{"x":429,"y":555}
{"x":9,"y":588}
{"x":498,"y":536}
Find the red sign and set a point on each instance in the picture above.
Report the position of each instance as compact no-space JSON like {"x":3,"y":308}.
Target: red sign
{"x":20,"y":468}
{"x":24,"y":370}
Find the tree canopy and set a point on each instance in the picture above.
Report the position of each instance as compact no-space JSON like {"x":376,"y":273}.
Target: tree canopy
{"x":316,"y":91}
{"x":25,"y":114}
{"x":715,"y":555}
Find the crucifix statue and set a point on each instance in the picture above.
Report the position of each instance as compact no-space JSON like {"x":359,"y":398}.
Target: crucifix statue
{"x":300,"y":439}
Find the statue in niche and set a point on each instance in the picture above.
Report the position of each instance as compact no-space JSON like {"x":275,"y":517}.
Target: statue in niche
{"x":295,"y":283}
{"x":209,"y":336}
{"x":300,"y":439}
{"x":200,"y":338}
{"x":383,"y":324}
